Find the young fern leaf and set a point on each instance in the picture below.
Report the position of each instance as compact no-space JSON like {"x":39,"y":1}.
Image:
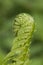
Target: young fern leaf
{"x":23,"y":28}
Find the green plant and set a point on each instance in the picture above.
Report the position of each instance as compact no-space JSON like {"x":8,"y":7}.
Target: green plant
{"x":23,"y":28}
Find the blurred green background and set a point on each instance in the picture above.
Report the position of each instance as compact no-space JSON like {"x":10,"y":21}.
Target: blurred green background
{"x":8,"y":10}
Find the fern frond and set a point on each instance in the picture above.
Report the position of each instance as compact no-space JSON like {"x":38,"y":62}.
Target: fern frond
{"x":23,"y":28}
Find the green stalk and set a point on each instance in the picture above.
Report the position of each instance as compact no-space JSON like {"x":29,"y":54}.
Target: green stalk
{"x":23,"y":28}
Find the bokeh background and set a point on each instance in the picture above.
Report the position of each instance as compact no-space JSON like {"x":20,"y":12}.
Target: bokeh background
{"x":8,"y":10}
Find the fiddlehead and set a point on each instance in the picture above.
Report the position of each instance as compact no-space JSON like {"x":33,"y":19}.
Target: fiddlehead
{"x":23,"y":28}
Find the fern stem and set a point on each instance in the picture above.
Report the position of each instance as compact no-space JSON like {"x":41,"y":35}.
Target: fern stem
{"x":23,"y":28}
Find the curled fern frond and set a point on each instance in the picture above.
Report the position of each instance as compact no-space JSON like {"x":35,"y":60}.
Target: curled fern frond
{"x":23,"y":28}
